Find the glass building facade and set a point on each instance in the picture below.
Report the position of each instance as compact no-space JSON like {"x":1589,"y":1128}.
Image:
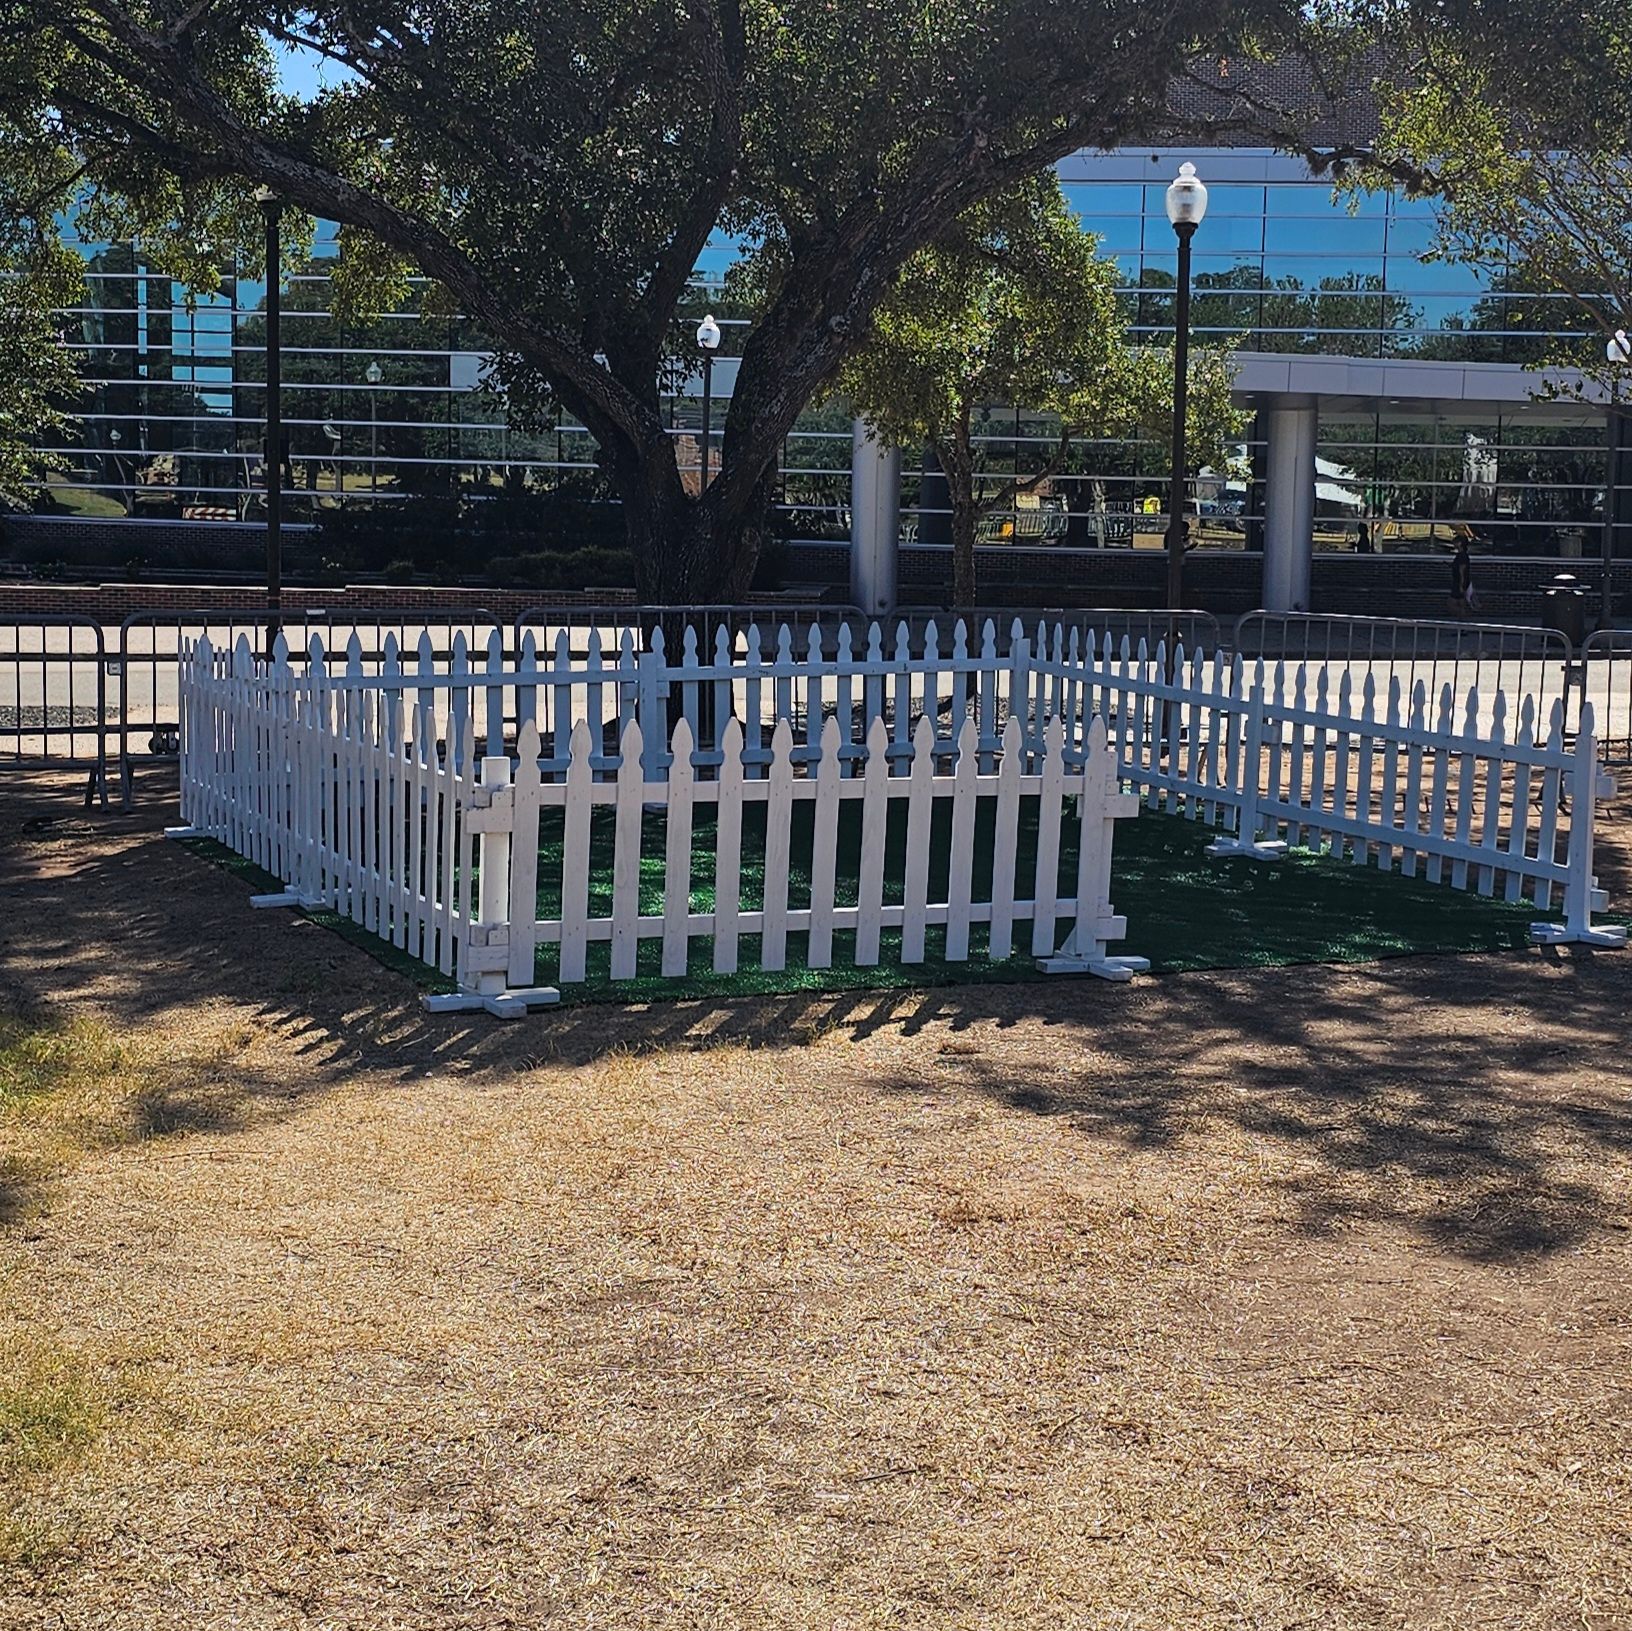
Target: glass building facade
{"x":395,"y":408}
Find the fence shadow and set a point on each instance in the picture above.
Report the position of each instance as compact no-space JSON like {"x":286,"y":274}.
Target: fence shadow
{"x":1479,"y":1103}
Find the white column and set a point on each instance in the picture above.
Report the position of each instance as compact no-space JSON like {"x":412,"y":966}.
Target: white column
{"x":1289,"y":501}
{"x":875,"y":521}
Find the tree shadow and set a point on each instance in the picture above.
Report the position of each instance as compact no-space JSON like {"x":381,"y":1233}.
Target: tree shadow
{"x":1477,"y":1102}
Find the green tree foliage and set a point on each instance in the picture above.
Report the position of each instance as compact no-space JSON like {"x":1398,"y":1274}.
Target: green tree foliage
{"x":1014,"y":305}
{"x":1531,"y":150}
{"x":38,"y":380}
{"x":558,"y":168}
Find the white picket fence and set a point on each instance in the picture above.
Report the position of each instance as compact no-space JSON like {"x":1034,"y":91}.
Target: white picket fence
{"x":1468,"y":791}
{"x":351,"y":801}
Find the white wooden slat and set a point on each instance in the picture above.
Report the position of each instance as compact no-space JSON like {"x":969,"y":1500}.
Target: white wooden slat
{"x":844,"y":707}
{"x":1518,"y":832}
{"x":728,"y":850}
{"x":1441,"y":776}
{"x":626,"y":840}
{"x":824,"y":848}
{"x":444,"y":860}
{"x":987,"y":700}
{"x":1411,"y":813}
{"x":1550,"y":798}
{"x":493,"y":671}
{"x":527,"y":695}
{"x":901,"y":724}
{"x":466,"y":883}
{"x":1467,"y":743}
{"x":420,"y":796}
{"x":1097,"y":814}
{"x":920,"y":809}
{"x":773,"y":944}
{"x":1005,"y":841}
{"x":1389,"y":788}
{"x":1046,"y":885}
{"x":874,"y":836}
{"x":677,"y":852}
{"x":961,"y":857}
{"x":1493,"y":780}
{"x":575,"y":858}
{"x":1297,"y":758}
{"x":526,"y":797}
{"x":1365,"y":765}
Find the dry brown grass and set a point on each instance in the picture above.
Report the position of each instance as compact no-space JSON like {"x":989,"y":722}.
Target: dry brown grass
{"x":1274,"y":1300}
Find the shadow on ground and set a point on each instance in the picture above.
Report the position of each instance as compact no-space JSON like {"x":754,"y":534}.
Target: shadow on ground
{"x":1479,"y":1102}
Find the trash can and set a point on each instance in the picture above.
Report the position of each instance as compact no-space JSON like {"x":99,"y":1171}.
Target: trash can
{"x":1564,"y":608}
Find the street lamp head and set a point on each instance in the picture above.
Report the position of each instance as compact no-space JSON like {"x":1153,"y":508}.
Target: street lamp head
{"x":373,"y":373}
{"x":1619,"y":350}
{"x":1186,"y":198}
{"x":708,"y":333}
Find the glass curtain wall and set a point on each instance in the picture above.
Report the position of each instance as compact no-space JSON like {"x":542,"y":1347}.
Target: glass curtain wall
{"x":396,"y":408}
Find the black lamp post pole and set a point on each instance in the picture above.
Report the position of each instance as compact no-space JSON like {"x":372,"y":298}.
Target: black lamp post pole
{"x":1185,"y":231}
{"x":274,"y":421}
{"x":1617,"y":437}
{"x":708,"y":404}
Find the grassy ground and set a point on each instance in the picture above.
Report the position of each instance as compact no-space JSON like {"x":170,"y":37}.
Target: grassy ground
{"x":1185,"y":912}
{"x":1272,"y":1297}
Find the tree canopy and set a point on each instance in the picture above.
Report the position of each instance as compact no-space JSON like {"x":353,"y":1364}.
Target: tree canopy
{"x":557,"y":169}
{"x":1015,"y":305}
{"x":1532,"y":156}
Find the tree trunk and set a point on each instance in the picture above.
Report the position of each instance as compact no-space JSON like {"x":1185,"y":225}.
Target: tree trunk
{"x":965,"y":520}
{"x":687,"y":551}
{"x":958,"y":460}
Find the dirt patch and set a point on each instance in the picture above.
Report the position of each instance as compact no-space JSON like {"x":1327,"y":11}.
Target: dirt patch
{"x":1276,"y":1298}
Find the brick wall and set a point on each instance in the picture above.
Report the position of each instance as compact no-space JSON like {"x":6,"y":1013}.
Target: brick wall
{"x":1225,"y":584}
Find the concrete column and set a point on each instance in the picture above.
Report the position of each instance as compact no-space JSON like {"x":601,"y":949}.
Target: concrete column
{"x":1289,"y":501}
{"x":875,"y":521}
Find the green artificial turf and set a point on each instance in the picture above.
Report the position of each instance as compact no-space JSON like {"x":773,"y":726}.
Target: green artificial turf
{"x":1184,"y":911}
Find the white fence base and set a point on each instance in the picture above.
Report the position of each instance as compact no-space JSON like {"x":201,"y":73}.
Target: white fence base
{"x":1071,"y":959}
{"x":1608,"y":936}
{"x":513,"y":1004}
{"x":287,"y":897}
{"x":1255,"y":849}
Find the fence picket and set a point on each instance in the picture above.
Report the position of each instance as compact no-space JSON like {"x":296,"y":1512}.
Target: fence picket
{"x":1551,"y":797}
{"x":626,"y":840}
{"x":677,"y":852}
{"x":526,"y":800}
{"x":1046,"y":885}
{"x":773,"y":940}
{"x":1518,"y":831}
{"x":915,"y":885}
{"x":874,"y":835}
{"x":960,"y":878}
{"x":1389,"y":791}
{"x":1493,"y":781}
{"x":575,"y":858}
{"x":1005,"y":841}
{"x":728,"y":849}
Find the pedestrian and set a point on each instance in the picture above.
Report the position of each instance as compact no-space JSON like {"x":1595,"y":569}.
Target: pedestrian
{"x":1464,"y":599}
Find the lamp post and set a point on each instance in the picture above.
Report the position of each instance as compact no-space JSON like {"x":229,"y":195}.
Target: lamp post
{"x":708,"y":342}
{"x":1186,"y":205}
{"x":1618,"y":354}
{"x":373,"y":374}
{"x":272,"y":209}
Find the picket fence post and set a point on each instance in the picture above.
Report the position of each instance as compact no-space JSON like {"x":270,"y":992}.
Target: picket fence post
{"x":1245,"y":840}
{"x":1102,"y":803}
{"x":1587,"y":785}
